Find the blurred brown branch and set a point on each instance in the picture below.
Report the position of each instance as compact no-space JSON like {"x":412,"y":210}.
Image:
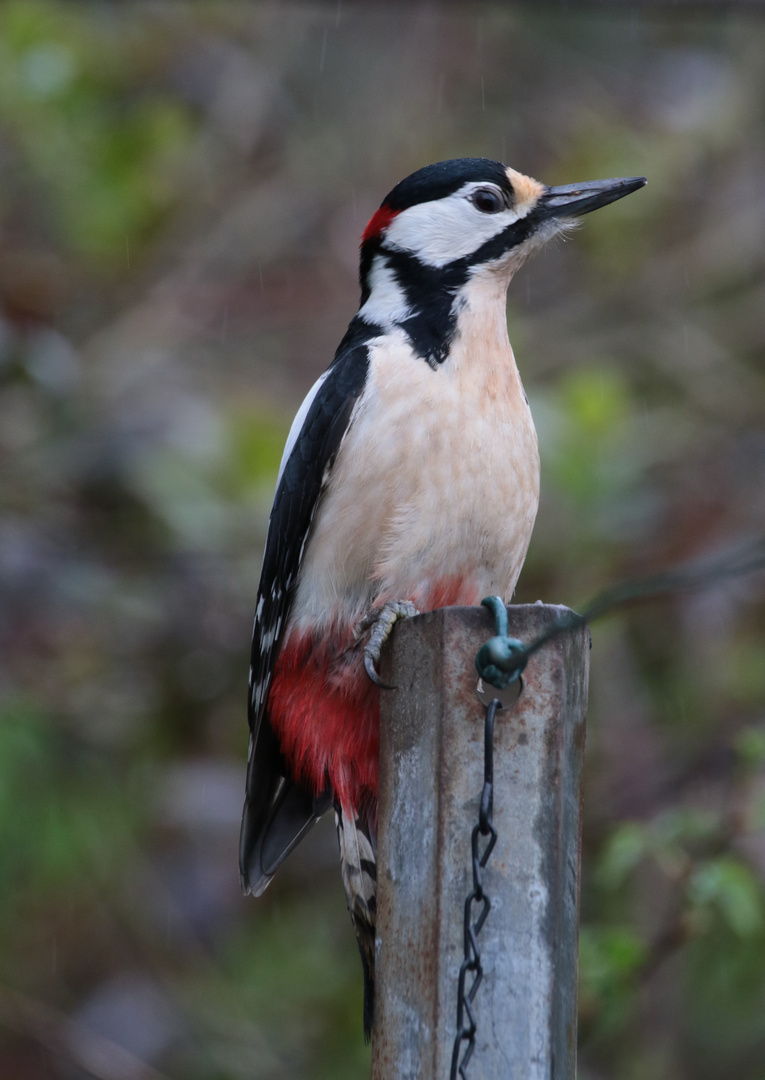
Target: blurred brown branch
{"x":49,"y":1027}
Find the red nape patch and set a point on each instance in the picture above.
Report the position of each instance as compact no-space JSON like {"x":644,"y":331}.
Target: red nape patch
{"x":378,"y":222}
{"x":326,"y":715}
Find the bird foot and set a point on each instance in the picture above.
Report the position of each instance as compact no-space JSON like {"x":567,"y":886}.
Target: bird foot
{"x":382,"y":621}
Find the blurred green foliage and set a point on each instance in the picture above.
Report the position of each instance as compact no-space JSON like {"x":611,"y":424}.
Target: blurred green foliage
{"x":181,"y":192}
{"x":102,"y":151}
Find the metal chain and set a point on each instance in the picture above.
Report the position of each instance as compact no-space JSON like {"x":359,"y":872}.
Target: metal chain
{"x":501,"y":662}
{"x":472,"y":963}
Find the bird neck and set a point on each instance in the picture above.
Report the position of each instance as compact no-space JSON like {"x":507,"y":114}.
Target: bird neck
{"x":397,"y":290}
{"x":431,"y":304}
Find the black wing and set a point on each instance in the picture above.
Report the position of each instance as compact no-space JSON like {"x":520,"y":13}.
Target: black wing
{"x":277,"y":811}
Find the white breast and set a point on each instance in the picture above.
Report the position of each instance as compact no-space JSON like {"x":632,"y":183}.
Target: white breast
{"x":437,"y":477}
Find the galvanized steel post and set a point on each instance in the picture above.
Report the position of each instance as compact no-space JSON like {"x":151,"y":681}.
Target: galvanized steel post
{"x":431,"y":775}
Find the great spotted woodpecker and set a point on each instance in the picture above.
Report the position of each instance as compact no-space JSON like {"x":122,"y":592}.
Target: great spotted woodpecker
{"x":410,"y":480}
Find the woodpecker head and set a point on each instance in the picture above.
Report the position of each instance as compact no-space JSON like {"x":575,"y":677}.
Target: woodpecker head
{"x":452,"y":223}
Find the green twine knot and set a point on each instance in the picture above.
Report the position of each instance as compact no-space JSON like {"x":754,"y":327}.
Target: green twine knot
{"x":495,"y":661}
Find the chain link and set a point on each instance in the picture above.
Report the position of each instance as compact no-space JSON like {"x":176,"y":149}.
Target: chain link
{"x":466,"y":1030}
{"x":685,"y":577}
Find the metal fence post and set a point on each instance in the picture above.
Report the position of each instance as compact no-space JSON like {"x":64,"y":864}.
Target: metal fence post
{"x":431,"y":775}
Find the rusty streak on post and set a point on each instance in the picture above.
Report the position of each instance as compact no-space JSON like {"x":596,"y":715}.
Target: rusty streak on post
{"x":431,"y":775}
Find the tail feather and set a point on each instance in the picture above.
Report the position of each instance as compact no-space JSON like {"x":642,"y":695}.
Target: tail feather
{"x":358,"y":854}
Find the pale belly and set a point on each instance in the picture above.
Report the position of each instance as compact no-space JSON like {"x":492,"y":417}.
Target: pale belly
{"x":436,"y":480}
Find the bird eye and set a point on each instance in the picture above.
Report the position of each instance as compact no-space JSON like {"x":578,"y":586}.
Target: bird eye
{"x":488,"y":201}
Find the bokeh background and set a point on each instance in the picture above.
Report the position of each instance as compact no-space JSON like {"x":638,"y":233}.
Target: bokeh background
{"x":182,"y":188}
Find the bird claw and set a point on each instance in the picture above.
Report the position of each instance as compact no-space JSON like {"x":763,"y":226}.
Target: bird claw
{"x":371,"y":670}
{"x":382,"y":623}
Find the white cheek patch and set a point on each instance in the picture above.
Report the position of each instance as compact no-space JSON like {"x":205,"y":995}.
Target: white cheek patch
{"x":387,"y":300}
{"x":440,"y":231}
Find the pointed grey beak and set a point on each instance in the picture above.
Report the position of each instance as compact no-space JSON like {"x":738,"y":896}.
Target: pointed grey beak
{"x":573,"y":200}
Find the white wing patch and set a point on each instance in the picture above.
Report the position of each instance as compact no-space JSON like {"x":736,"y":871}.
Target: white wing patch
{"x":297,"y":423}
